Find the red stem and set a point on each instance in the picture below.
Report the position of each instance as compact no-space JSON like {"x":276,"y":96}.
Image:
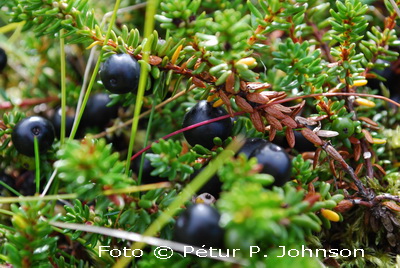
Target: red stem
{"x":263,"y":106}
{"x":186,"y":129}
{"x":27,"y":102}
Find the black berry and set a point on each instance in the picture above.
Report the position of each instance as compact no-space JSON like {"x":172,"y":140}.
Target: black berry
{"x":120,"y":74}
{"x":198,"y":226}
{"x":3,"y":59}
{"x":302,"y":144}
{"x":97,"y":113}
{"x":251,"y":145}
{"x":275,"y":161}
{"x":205,"y":134}
{"x":25,"y":130}
{"x":56,"y":120}
{"x":146,"y":171}
{"x":213,"y":185}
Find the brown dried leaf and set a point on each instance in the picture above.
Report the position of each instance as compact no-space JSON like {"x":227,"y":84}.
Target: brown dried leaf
{"x":380,"y":169}
{"x":243,"y":104}
{"x":354,"y":140}
{"x":289,"y":122}
{"x":224,"y":97}
{"x":283,"y":109}
{"x":155,"y":60}
{"x":208,"y":77}
{"x":368,"y":136}
{"x":308,"y":155}
{"x":312,"y":198}
{"x":274,"y":122}
{"x":305,"y":121}
{"x":392,"y":205}
{"x":316,"y":157}
{"x":368,"y":121}
{"x":257,"y":98}
{"x":343,"y":206}
{"x":311,"y":136}
{"x":290,"y":137}
{"x":257,"y":121}
{"x":243,"y":86}
{"x":226,"y":101}
{"x":198,"y":83}
{"x":271,"y":110}
{"x":282,"y":96}
{"x":257,"y":86}
{"x":359,"y":168}
{"x":332,"y":167}
{"x":357,"y":152}
{"x":297,"y":108}
{"x":333,"y":153}
{"x":229,"y":84}
{"x":344,"y":154}
{"x":272,"y":133}
{"x":319,"y":118}
{"x":273,"y":94}
{"x":230,"y":111}
{"x":353,"y":186}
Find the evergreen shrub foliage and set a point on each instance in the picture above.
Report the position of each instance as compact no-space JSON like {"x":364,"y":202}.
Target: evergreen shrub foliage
{"x":290,"y":72}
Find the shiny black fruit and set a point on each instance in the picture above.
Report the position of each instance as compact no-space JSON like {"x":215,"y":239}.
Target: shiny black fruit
{"x":3,"y":59}
{"x":213,"y":185}
{"x":198,"y":226}
{"x":275,"y":161}
{"x":120,"y":74}
{"x":25,"y":130}
{"x":97,"y":113}
{"x":302,"y":144}
{"x":205,"y":134}
{"x":56,"y":120}
{"x":251,"y":145}
{"x":146,"y":171}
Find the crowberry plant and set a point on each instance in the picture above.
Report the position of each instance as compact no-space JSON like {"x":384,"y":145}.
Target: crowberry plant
{"x":256,"y":125}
